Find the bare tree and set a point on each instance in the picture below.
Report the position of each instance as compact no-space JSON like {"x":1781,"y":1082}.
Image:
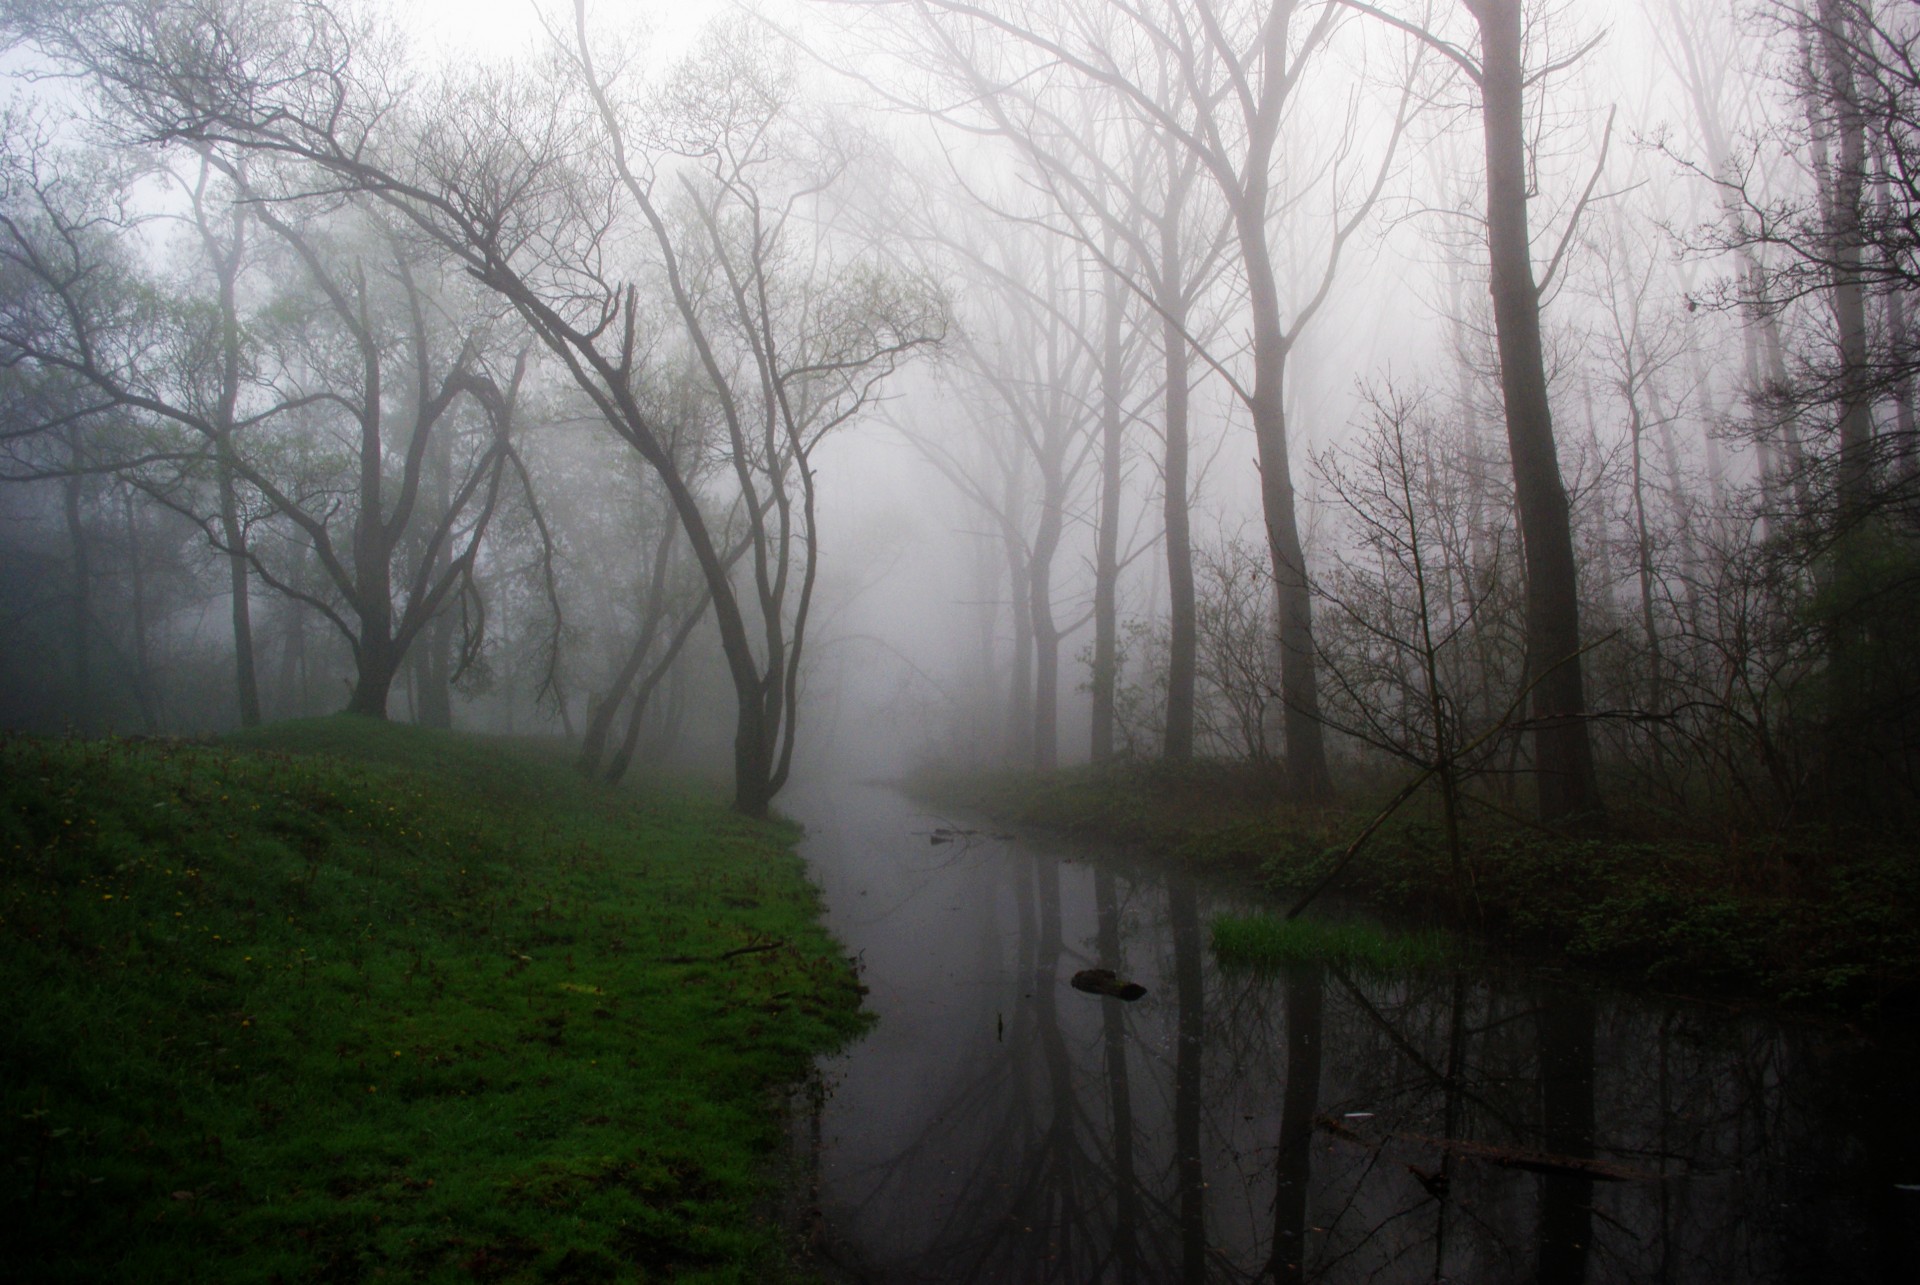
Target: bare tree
{"x":541,"y":189}
{"x":1563,"y":746}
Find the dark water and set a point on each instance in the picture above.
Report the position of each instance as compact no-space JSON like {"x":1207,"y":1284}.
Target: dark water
{"x":997,"y":1125}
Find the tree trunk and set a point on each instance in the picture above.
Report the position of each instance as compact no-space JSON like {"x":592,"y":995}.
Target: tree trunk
{"x":433,"y":663}
{"x":1563,"y":748}
{"x":1019,"y":744}
{"x":1847,"y":190}
{"x":246,"y":678}
{"x":143,"y":693}
{"x":1182,"y":627}
{"x":1851,"y":716}
{"x":1106,"y":562}
{"x":375,"y":668}
{"x":1046,"y":644}
{"x":1307,"y":775}
{"x":80,"y":594}
{"x":643,"y":697}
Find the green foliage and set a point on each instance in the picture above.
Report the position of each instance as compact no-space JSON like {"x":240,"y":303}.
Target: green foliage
{"x":1271,"y":941}
{"x":345,"y":999}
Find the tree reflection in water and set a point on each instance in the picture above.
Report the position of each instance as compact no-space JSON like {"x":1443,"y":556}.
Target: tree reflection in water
{"x":1310,"y":1126}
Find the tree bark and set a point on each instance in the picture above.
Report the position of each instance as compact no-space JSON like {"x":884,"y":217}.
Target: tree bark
{"x":1106,"y":562}
{"x":1847,"y":190}
{"x":1563,"y":748}
{"x":1182,"y":613}
{"x":226,"y":259}
{"x":1046,"y":634}
{"x":375,"y":666}
{"x":80,"y":594}
{"x":433,"y":670}
{"x":143,"y":685}
{"x":1307,"y":775}
{"x":246,"y":679}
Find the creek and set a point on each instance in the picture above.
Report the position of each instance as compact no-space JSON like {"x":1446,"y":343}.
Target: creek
{"x":1487,"y":1126}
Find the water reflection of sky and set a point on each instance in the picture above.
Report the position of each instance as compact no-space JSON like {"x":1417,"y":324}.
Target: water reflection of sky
{"x":997,"y":1125}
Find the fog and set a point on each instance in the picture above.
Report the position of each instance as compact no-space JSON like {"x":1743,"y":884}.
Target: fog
{"x":792,"y":389}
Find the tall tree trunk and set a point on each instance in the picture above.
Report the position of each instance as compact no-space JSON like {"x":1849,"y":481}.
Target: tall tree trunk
{"x":606,"y":711}
{"x":80,"y":592}
{"x":1563,"y":747}
{"x":227,"y":257}
{"x":293,"y":687}
{"x":1046,"y":634}
{"x":1845,"y":188}
{"x":623,"y":756}
{"x":1307,"y":775}
{"x":246,"y":679}
{"x":375,"y":668}
{"x":143,"y":692}
{"x":1182,"y":614}
{"x":1106,"y":561}
{"x":1019,"y":745}
{"x":433,"y":660}
{"x":1643,"y":570}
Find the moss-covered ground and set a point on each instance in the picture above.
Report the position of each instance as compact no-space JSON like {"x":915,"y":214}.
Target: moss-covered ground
{"x":1817,"y":920}
{"x":344,"y":1001}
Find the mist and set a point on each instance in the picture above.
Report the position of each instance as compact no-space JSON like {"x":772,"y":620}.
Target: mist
{"x":1046,"y":216}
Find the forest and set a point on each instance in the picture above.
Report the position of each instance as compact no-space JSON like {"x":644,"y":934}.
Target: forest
{"x":1500,"y":393}
{"x":1447,"y":463}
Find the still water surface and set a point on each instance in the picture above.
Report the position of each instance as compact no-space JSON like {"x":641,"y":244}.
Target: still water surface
{"x":997,"y":1125}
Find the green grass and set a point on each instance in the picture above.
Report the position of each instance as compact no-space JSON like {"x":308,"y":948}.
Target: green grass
{"x":1271,"y":941}
{"x":341,"y":1000}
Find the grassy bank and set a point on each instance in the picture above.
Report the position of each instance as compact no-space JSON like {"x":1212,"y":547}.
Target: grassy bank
{"x":1805,"y":919}
{"x":340,"y":1000}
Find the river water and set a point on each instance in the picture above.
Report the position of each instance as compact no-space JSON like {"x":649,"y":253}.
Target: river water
{"x":1491,"y":1126}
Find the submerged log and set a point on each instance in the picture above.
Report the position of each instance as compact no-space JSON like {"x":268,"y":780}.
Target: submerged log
{"x":1102,"y":981}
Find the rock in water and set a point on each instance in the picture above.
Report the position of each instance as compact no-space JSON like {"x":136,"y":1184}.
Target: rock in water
{"x":1101,"y":981}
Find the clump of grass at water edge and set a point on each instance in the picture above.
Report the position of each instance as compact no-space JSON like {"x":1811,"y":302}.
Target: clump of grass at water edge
{"x":1273,"y":941}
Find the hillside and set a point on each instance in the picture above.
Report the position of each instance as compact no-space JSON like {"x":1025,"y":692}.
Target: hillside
{"x":342,"y":999}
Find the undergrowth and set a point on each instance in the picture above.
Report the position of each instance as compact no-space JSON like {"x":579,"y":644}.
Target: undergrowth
{"x":1811,"y":920}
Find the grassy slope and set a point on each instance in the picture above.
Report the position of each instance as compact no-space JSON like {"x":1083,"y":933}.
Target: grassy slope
{"x":1798,"y":919}
{"x":343,"y":1000}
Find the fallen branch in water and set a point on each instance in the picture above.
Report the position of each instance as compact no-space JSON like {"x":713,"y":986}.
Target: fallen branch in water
{"x":1507,"y":1157}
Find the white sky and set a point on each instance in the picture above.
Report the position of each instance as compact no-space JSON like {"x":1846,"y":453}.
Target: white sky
{"x":449,"y":29}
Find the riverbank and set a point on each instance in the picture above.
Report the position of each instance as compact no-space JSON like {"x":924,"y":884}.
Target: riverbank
{"x":340,"y":999}
{"x":1801,"y":920}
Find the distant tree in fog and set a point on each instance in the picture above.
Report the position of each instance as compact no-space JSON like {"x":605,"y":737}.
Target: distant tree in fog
{"x":331,"y":404}
{"x":1223,"y":83}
